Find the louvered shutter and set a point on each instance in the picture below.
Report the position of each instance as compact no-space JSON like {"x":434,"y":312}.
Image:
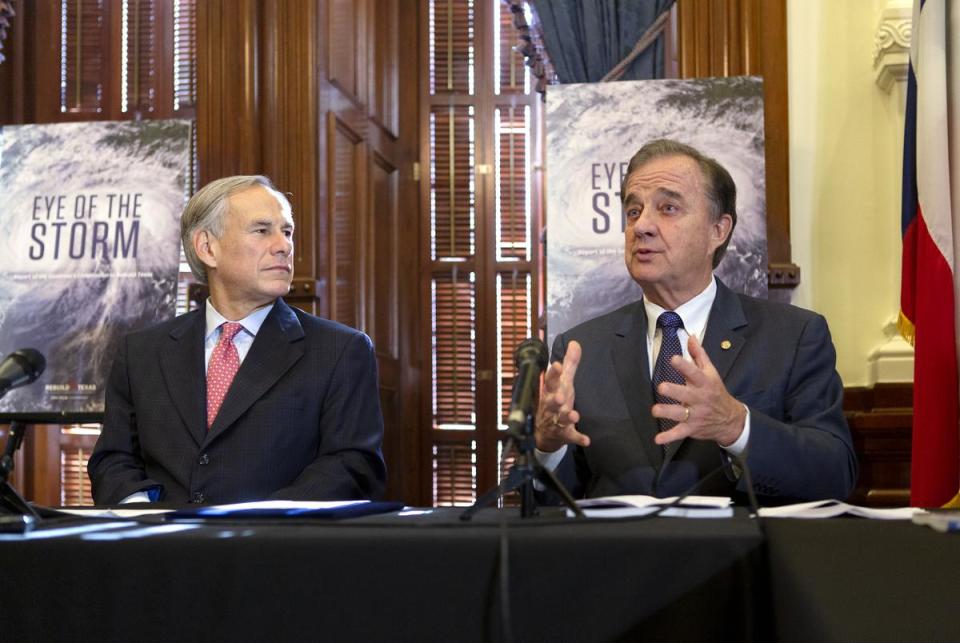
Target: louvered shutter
{"x":483,"y":220}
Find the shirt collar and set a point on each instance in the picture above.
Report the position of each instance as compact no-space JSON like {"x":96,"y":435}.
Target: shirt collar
{"x":694,"y":312}
{"x":251,"y":323}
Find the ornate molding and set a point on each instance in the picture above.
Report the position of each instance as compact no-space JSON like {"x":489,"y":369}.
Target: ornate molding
{"x":891,"y":45}
{"x":891,"y":361}
{"x":783,"y":275}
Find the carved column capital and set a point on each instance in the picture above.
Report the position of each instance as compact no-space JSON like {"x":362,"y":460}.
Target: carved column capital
{"x":891,"y":45}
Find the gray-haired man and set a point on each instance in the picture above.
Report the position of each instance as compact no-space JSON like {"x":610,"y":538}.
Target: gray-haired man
{"x":245,"y":398}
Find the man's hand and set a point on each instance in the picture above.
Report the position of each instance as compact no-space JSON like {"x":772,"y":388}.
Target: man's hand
{"x":556,"y":418}
{"x":706,"y":410}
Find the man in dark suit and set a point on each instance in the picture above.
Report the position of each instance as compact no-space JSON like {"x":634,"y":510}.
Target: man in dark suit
{"x":757,"y":380}
{"x":246,"y":398}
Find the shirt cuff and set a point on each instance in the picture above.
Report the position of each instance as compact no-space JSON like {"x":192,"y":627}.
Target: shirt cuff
{"x":549,"y":461}
{"x":740,"y":445}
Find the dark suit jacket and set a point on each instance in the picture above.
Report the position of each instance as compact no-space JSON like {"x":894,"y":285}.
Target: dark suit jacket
{"x":301,"y":419}
{"x":780,"y":363}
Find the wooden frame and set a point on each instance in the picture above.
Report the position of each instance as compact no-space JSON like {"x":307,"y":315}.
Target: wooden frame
{"x":748,"y":37}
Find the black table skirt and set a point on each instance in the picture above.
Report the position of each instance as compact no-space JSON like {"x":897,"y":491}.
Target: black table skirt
{"x":432,"y":578}
{"x":851,"y":579}
{"x":394,"y":578}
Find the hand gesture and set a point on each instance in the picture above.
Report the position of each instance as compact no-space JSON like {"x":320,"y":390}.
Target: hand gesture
{"x":706,"y":411}
{"x":556,"y":418}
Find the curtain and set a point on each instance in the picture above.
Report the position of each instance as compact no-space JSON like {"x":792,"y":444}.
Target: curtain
{"x":585,"y":39}
{"x":6,"y":14}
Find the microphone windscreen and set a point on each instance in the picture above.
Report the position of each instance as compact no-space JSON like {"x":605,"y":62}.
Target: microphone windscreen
{"x":22,"y":367}
{"x":534,"y":349}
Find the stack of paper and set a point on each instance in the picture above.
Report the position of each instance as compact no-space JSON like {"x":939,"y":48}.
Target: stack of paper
{"x":633,"y":506}
{"x":834,"y":508}
{"x":945,"y":520}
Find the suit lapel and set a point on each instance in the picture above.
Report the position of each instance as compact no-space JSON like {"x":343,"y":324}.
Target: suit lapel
{"x":630,"y":362}
{"x":181,"y":363}
{"x":722,"y":341}
{"x":275,"y":349}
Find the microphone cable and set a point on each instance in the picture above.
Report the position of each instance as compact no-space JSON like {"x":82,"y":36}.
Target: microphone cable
{"x":748,"y":482}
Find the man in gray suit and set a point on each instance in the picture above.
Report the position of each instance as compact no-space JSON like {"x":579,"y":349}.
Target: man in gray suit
{"x":756,"y":379}
{"x":245,"y":398}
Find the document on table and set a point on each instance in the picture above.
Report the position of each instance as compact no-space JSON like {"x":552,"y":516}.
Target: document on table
{"x":298,"y":508}
{"x":97,"y":512}
{"x":944,"y":520}
{"x":639,"y":505}
{"x":834,"y":508}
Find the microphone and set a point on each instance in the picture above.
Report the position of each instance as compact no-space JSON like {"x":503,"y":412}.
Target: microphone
{"x":531,"y":358}
{"x":20,"y":367}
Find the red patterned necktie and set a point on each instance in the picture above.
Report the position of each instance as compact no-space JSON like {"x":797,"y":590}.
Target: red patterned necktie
{"x":224,"y":364}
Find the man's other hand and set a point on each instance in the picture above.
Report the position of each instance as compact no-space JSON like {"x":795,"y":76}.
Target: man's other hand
{"x":556,"y":418}
{"x":706,"y":411}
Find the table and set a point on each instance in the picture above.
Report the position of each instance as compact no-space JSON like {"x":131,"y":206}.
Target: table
{"x":415,"y":577}
{"x":851,"y":579}
{"x":429,"y":577}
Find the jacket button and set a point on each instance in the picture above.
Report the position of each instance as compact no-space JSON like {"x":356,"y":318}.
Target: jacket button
{"x":197,"y":498}
{"x":204,"y":459}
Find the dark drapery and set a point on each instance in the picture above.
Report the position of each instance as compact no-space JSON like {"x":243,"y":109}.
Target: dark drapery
{"x":6,"y":15}
{"x":585,"y":39}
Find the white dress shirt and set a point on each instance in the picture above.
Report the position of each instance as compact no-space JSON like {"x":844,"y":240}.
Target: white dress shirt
{"x":242,"y":340}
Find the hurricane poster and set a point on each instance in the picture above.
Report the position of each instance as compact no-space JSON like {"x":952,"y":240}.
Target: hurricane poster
{"x":89,"y":231}
{"x":592,"y":131}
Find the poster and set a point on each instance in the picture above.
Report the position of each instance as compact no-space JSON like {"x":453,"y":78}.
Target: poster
{"x":592,"y":131}
{"x":89,"y":248}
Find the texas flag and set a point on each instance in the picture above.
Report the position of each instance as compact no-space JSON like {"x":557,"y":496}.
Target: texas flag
{"x":931,"y":243}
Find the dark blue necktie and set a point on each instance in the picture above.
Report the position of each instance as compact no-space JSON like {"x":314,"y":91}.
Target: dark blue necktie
{"x":668,"y":323}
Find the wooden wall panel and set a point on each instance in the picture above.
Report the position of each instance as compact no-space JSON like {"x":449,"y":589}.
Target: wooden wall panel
{"x":384,"y":90}
{"x":881,"y":422}
{"x":718,"y":38}
{"x":288,"y":93}
{"x":347,"y":225}
{"x":228,"y":97}
{"x":369,"y":101}
{"x":345,"y":44}
{"x":382,"y":317}
{"x":41,"y":447}
{"x":17,"y":478}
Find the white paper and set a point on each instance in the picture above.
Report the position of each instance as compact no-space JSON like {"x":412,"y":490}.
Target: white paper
{"x":834,"y":508}
{"x":943,"y":521}
{"x":94,"y":512}
{"x":652,"y":501}
{"x":287,"y":504}
{"x":640,"y":505}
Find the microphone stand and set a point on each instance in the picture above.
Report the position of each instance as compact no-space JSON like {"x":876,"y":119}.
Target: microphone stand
{"x":526,"y":468}
{"x":11,"y":502}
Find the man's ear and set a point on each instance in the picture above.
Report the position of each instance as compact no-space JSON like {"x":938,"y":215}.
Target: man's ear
{"x":206,"y":247}
{"x":721,"y":229}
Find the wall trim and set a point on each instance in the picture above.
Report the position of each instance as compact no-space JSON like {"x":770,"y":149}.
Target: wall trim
{"x":881,"y":424}
{"x":891,"y":45}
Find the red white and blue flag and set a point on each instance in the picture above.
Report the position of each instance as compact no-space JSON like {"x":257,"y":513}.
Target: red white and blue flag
{"x":931,"y":241}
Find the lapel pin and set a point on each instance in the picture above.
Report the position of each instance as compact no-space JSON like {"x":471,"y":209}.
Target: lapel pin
{"x":725,"y":344}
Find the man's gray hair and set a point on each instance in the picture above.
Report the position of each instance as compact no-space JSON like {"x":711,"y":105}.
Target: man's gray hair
{"x":206,"y":209}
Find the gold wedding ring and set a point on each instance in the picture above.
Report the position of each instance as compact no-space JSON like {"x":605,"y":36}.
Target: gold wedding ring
{"x":556,"y":419}
{"x":686,"y":413}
